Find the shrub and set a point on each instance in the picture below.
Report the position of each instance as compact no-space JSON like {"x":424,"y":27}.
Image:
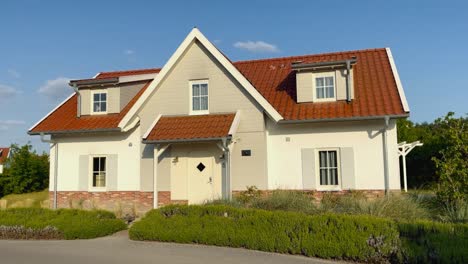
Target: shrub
{"x":328,"y":236}
{"x":73,"y":224}
{"x":432,"y":242}
{"x":285,"y":200}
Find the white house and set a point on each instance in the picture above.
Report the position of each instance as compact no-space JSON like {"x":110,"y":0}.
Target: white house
{"x":203,"y":127}
{"x":4,"y":154}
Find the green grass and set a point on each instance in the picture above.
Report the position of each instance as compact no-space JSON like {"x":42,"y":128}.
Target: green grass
{"x":360,"y":238}
{"x":72,"y":224}
{"x":30,"y":200}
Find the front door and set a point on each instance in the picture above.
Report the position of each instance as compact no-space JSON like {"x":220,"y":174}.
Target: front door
{"x":200,"y":179}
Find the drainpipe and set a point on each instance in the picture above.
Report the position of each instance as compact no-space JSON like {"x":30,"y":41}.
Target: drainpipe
{"x":227,"y":160}
{"x":55,"y":165}
{"x":348,"y":80}
{"x":385,"y":149}
{"x":77,"y":91}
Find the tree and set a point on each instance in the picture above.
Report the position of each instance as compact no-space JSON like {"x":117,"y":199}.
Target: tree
{"x":25,"y":171}
{"x":452,"y":165}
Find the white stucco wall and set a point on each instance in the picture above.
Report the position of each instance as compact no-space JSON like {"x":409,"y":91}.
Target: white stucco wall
{"x":70,"y":148}
{"x":284,"y":158}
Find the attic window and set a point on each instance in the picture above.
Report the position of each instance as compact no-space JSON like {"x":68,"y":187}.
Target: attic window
{"x":324,"y":85}
{"x":100,"y":102}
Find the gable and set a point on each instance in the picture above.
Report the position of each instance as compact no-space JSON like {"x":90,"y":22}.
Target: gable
{"x":226,"y":95}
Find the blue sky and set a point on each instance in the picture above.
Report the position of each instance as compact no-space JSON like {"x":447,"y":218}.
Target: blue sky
{"x":45,"y":43}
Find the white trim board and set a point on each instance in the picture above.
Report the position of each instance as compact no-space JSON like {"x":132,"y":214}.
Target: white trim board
{"x":152,"y":126}
{"x":194,"y":35}
{"x":404,"y":102}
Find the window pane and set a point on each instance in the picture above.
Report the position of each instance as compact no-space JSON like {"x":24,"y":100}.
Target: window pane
{"x":204,"y":103}
{"x":329,"y":81}
{"x":99,"y":179}
{"x":323,"y":159}
{"x":103,"y":97}
{"x":331,"y":92}
{"x":96,"y":97}
{"x":334,"y":176}
{"x":320,"y":93}
{"x":95,"y":164}
{"x":196,"y":90}
{"x":332,"y":158}
{"x":323,"y":177}
{"x":196,"y":103}
{"x":103,"y":107}
{"x":204,"y":89}
{"x":102,"y":165}
{"x":318,"y":82}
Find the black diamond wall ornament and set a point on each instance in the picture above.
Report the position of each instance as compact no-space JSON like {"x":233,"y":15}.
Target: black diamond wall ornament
{"x":201,"y":167}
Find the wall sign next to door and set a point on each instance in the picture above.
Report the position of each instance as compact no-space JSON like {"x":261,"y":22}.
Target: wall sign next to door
{"x":246,"y":152}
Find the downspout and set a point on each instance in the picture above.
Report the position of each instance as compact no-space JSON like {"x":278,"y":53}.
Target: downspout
{"x":348,"y":80}
{"x":77,"y":91}
{"x":385,"y":149}
{"x":227,"y":160}
{"x":55,"y":165}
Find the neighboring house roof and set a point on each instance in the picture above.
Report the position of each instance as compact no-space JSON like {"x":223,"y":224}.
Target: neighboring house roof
{"x":271,"y":82}
{"x":4,"y":154}
{"x":64,"y":118}
{"x":190,"y":128}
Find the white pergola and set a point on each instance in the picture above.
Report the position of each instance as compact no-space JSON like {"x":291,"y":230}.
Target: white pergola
{"x":403,"y":149}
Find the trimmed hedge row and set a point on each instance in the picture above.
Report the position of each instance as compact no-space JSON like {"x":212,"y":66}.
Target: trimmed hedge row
{"x":360,"y":238}
{"x":72,"y":224}
{"x":432,"y":242}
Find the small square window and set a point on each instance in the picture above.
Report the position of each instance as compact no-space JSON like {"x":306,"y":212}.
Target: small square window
{"x":199,"y":94}
{"x":100,"y":102}
{"x":325,"y":87}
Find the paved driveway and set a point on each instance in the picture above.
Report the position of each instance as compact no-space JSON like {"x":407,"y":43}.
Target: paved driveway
{"x":119,"y":249}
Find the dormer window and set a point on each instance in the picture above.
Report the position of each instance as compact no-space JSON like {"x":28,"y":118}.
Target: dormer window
{"x":325,"y":87}
{"x":99,"y":102}
{"x":199,"y":97}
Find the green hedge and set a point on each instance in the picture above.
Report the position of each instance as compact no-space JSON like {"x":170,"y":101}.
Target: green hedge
{"x":432,"y":242}
{"x":327,"y":236}
{"x":73,"y":224}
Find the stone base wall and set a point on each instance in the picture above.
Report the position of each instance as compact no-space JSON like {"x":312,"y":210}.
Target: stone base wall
{"x":318,"y":195}
{"x":120,"y":202}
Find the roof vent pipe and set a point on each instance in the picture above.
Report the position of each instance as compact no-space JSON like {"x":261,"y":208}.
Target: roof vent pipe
{"x":77,"y":91}
{"x":348,"y":80}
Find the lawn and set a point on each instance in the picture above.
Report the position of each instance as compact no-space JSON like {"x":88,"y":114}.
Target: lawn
{"x":29,"y":200}
{"x":39,"y":223}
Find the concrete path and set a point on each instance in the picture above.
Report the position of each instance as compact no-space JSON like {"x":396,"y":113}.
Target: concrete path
{"x":119,"y":249}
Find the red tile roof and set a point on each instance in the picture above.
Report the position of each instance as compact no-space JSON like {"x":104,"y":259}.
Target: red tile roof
{"x":169,"y":128}
{"x":375,"y":89}
{"x":375,"y":92}
{"x":103,"y":75}
{"x":64,"y":118}
{"x":4,"y":154}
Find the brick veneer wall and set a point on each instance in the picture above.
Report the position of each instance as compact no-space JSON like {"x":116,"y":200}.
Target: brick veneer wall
{"x":124,"y":202}
{"x":318,"y":195}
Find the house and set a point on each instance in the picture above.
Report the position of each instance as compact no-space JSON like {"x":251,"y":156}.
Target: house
{"x":4,"y":154}
{"x":203,"y":127}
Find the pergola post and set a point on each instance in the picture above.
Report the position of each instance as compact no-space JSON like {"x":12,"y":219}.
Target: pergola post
{"x":403,"y":149}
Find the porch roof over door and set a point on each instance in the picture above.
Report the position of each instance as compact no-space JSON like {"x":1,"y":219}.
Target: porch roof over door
{"x":191,"y":128}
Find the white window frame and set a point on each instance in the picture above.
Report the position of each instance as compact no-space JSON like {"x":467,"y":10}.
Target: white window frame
{"x":92,"y":102}
{"x":314,"y":85}
{"x":91,"y":172}
{"x":198,"y":112}
{"x":317,"y":170}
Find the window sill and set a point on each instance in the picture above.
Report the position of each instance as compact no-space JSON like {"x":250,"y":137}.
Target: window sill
{"x":97,"y":189}
{"x":324,"y":100}
{"x":329,"y":189}
{"x":200,"y":112}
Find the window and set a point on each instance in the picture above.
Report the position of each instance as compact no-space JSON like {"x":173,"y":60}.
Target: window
{"x":325,"y":87}
{"x":328,"y":168}
{"x":99,"y":171}
{"x":99,"y":102}
{"x":199,"y":92}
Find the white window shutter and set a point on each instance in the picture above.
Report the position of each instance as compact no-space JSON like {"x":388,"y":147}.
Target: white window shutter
{"x":112,"y":172}
{"x":83,"y":173}
{"x":308,"y":169}
{"x":348,"y":178}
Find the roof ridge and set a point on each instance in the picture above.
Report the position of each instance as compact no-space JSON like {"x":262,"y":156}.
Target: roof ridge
{"x":260,"y":60}
{"x":309,"y":55}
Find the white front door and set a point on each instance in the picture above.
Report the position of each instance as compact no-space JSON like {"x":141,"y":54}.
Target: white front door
{"x":201,"y":181}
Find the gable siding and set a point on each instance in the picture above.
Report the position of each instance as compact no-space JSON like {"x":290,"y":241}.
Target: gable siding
{"x":172,"y":97}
